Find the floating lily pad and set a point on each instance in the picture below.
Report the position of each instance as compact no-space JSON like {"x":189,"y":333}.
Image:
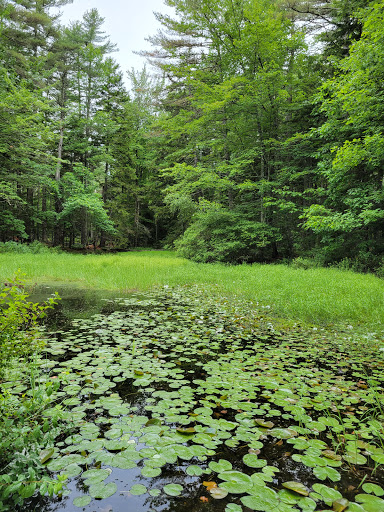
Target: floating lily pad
{"x":370,"y":503}
{"x":150,"y":472}
{"x":82,"y":501}
{"x":138,"y":489}
{"x":220,"y":466}
{"x":373,"y":489}
{"x":328,"y":494}
{"x":296,"y":487}
{"x":173,"y":489}
{"x":262,"y":499}
{"x":233,"y":507}
{"x":252,"y":460}
{"x":72,"y":470}
{"x":101,"y":491}
{"x":322,"y":473}
{"x":235,"y":482}
{"x":194,"y":470}
{"x":355,"y":458}
{"x":218,"y":493}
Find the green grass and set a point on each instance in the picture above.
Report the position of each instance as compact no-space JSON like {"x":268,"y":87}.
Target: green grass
{"x":318,"y":296}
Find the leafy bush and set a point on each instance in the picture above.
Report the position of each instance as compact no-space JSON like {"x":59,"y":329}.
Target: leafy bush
{"x":19,"y":335}
{"x":217,"y":234}
{"x":24,"y":432}
{"x":34,"y":248}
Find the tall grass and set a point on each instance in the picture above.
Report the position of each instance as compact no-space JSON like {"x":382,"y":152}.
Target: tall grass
{"x":318,"y":296}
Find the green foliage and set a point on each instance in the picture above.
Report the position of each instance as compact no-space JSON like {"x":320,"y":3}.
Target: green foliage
{"x":34,"y":248}
{"x":24,"y":437}
{"x":23,"y":431}
{"x":19,"y":335}
{"x":218,"y":234}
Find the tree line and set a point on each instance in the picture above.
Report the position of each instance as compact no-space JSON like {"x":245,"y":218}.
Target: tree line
{"x":256,"y":136}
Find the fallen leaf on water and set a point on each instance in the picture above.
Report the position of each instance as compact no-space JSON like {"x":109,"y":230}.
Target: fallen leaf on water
{"x":204,"y":499}
{"x":210,"y":485}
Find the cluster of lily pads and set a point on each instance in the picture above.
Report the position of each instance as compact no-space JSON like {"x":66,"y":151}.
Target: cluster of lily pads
{"x":191,"y":400}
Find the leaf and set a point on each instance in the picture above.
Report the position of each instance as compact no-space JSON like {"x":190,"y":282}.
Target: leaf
{"x":296,"y":487}
{"x":186,"y":431}
{"x":46,"y":454}
{"x":355,"y":458}
{"x":282,"y":433}
{"x":218,"y":493}
{"x":263,"y":499}
{"x":340,"y":505}
{"x":210,"y":485}
{"x":220,"y":466}
{"x":322,"y":473}
{"x":173,"y":489}
{"x":150,"y":472}
{"x":82,"y":501}
{"x":72,"y":470}
{"x":373,"y":489}
{"x":263,"y":423}
{"x":101,"y":491}
{"x":153,"y":421}
{"x":138,"y":489}
{"x":235,"y":482}
{"x":328,"y":494}
{"x":232,"y":507}
{"x":194,"y":470}
{"x":370,"y":503}
{"x":94,"y":476}
{"x":252,"y":460}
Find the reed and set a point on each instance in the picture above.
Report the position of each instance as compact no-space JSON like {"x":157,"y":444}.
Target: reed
{"x":317,"y":295}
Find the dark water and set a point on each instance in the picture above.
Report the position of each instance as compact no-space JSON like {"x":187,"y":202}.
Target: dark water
{"x":74,"y":303}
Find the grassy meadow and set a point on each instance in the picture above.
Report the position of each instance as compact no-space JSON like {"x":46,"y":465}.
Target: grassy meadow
{"x":316,"y":296}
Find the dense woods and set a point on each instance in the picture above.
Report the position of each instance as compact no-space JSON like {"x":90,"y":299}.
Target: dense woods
{"x":254,"y":133}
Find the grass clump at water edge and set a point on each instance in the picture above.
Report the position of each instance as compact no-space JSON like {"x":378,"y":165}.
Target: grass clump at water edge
{"x":316,"y":295}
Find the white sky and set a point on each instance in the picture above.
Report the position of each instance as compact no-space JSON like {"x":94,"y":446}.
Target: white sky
{"x":127,"y":23}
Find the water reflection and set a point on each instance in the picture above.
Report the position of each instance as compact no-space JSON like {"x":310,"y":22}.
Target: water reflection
{"x":75,"y":303}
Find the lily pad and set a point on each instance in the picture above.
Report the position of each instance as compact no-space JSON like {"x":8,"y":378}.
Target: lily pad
{"x":322,"y":473}
{"x":194,"y":470}
{"x":101,"y":491}
{"x":235,"y":482}
{"x":218,"y":493}
{"x":370,"y":488}
{"x":296,"y":487}
{"x":252,"y":460}
{"x":138,"y":489}
{"x":262,"y":499}
{"x":173,"y":489}
{"x":220,"y":466}
{"x":82,"y":501}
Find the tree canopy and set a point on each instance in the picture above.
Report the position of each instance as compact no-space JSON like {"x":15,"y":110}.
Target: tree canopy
{"x":253,"y":133}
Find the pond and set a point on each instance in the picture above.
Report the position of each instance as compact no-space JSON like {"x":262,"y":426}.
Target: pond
{"x":177,"y":401}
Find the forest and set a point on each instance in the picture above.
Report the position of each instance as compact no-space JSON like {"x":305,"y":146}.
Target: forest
{"x":254,"y":133}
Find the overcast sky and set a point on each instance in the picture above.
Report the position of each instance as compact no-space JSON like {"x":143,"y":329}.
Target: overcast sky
{"x":127,"y":23}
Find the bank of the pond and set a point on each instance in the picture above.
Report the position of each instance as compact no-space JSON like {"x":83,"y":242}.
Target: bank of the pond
{"x":317,"y":296}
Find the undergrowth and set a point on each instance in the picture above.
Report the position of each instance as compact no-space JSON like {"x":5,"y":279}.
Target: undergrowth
{"x":26,"y":437}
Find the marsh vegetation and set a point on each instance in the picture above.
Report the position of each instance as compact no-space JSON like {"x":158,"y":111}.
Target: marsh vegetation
{"x":186,"y":397}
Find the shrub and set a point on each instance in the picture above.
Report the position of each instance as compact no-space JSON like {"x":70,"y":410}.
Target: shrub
{"x":217,"y":234}
{"x":34,"y":247}
{"x":24,"y":432}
